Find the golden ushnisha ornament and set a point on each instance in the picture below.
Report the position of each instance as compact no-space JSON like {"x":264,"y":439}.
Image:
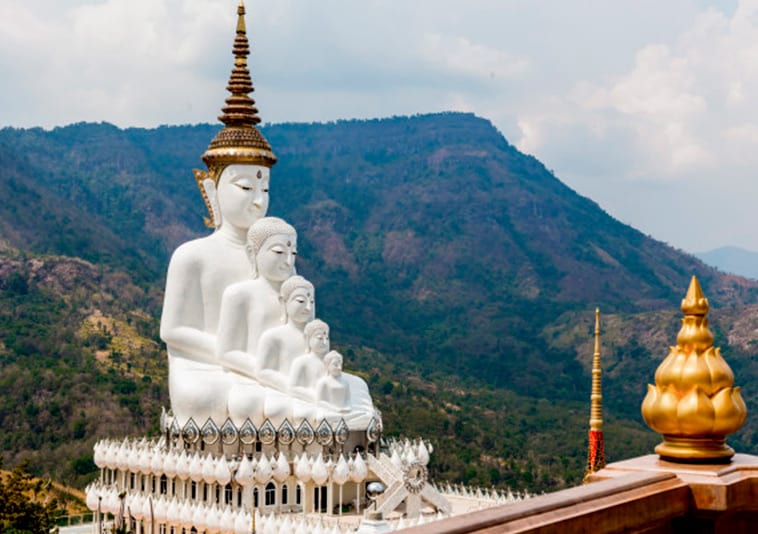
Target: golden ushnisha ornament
{"x":693,"y":404}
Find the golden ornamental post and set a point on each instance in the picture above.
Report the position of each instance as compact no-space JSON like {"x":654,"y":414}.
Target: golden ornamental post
{"x":596,"y":441}
{"x":693,"y":403}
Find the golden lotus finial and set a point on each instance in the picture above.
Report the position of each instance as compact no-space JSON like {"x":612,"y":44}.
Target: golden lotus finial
{"x":693,"y":403}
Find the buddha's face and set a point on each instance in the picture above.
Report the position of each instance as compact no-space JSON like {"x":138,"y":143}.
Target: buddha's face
{"x":243,"y":194}
{"x":275,"y":260}
{"x":335,"y":367}
{"x":319,"y":342}
{"x":301,"y":305}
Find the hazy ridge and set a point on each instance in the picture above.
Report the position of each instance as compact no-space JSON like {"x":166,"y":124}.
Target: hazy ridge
{"x":734,"y":260}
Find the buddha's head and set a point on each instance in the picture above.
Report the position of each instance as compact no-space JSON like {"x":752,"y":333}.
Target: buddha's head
{"x":298,"y":300}
{"x":317,"y":337}
{"x":239,"y":156}
{"x":272,"y":249}
{"x":333,"y":363}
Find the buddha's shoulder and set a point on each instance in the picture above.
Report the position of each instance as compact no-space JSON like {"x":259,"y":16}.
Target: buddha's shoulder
{"x":240,"y":292}
{"x":193,"y":250}
{"x":306,"y":360}
{"x":277,"y":332}
{"x":354,"y":381}
{"x":203,"y":250}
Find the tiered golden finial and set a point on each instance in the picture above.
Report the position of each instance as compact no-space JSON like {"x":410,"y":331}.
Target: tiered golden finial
{"x":239,"y":141}
{"x":693,"y":403}
{"x":596,"y":443}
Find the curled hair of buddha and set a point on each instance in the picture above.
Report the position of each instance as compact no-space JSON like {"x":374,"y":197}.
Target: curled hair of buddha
{"x":313,"y":327}
{"x":261,"y":230}
{"x":332,"y":356}
{"x":291,"y":284}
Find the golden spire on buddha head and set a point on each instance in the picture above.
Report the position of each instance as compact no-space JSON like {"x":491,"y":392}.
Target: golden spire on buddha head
{"x":693,"y":403}
{"x":239,"y":142}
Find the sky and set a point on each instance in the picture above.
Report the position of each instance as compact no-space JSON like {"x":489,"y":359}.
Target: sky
{"x":648,"y":107}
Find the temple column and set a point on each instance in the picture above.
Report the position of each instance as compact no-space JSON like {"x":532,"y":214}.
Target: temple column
{"x":330,"y":498}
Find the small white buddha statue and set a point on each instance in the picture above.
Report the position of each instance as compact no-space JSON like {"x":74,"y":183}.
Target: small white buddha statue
{"x":268,"y":397}
{"x":332,"y":390}
{"x":342,"y":395}
{"x":307,"y":368}
{"x":280,"y":345}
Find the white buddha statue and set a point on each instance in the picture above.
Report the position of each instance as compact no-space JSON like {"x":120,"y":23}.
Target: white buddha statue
{"x":235,"y":191}
{"x":199,"y":272}
{"x":343,"y":395}
{"x":252,"y":306}
{"x":332,"y":390}
{"x":307,"y":368}
{"x":280,"y":345}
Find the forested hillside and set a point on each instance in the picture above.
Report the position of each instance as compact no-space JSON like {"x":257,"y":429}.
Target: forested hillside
{"x":458,"y":275}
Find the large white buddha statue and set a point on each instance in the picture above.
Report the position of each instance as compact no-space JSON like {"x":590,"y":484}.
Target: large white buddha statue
{"x":235,"y":190}
{"x":249,"y":309}
{"x":235,"y":313}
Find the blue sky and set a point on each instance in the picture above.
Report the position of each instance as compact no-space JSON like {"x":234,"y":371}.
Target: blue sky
{"x":650,"y":108}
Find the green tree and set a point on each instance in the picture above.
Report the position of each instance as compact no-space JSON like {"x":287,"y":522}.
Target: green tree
{"x":20,"y":510}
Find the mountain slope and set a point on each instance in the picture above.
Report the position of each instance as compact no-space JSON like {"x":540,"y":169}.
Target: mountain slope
{"x":457,"y":275}
{"x":78,"y":353}
{"x":476,"y":245}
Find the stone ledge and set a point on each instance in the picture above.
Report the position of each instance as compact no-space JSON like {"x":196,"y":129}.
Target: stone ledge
{"x":628,"y":502}
{"x":731,"y":487}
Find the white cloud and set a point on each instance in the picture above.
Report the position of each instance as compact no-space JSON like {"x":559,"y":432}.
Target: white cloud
{"x":132,"y":62}
{"x":657,"y":101}
{"x":659,"y":86}
{"x":459,"y":55}
{"x":622,"y":104}
{"x":685,"y":116}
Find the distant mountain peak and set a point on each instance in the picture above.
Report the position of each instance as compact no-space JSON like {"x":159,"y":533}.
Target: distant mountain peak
{"x":732,"y":259}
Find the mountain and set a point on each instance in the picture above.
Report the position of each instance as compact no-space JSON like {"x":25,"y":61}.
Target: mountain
{"x":79,"y":357}
{"x":734,"y":260}
{"x":457,"y":274}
